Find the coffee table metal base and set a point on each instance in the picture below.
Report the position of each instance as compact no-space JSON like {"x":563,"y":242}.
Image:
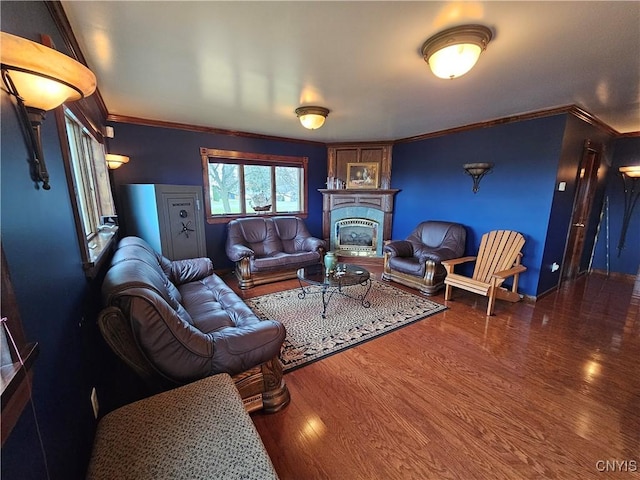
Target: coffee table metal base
{"x":335,"y":286}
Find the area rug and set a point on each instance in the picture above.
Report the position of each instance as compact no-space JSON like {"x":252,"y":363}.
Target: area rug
{"x":311,"y":337}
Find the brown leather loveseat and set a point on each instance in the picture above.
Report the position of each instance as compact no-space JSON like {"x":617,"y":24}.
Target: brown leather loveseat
{"x":268,"y":249}
{"x":174,"y":322}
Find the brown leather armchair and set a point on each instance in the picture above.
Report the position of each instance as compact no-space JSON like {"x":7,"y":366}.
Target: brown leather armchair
{"x":268,"y":249}
{"x":416,"y":261}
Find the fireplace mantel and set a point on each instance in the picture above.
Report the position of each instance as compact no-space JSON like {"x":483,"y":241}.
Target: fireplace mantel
{"x":376,"y":198}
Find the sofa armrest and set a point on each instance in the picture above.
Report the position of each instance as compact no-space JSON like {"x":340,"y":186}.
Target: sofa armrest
{"x":189,"y":270}
{"x":238,"y":252}
{"x":313,"y":244}
{"x":398,"y":248}
{"x":237,"y":349}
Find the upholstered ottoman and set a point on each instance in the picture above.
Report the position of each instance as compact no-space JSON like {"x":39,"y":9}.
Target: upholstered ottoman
{"x":197,"y":431}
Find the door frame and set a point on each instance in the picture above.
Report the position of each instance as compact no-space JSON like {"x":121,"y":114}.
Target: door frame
{"x":588,"y":200}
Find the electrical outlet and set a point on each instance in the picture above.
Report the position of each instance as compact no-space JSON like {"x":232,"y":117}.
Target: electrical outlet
{"x":94,"y":402}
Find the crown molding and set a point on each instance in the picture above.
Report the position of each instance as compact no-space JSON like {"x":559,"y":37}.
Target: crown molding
{"x":197,"y":128}
{"x":570,"y":109}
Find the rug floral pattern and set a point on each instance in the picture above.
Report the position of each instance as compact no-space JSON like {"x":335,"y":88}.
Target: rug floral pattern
{"x":311,"y":337}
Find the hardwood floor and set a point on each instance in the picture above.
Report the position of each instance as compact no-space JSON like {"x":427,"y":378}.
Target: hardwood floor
{"x":550,"y":390}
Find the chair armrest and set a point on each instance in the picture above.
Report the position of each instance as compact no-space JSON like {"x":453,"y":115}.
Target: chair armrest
{"x":238,"y":252}
{"x":189,"y":270}
{"x":510,"y":272}
{"x":313,"y":244}
{"x":457,"y":261}
{"x":398,"y":248}
{"x":436,"y":254}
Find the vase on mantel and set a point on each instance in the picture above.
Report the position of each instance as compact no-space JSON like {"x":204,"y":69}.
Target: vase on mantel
{"x":330,"y":262}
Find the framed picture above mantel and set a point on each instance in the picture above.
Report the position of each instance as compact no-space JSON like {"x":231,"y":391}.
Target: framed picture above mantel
{"x":341,"y":158}
{"x":362,"y":175}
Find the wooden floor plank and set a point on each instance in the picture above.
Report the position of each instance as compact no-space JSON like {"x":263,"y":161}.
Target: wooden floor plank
{"x":542,"y":390}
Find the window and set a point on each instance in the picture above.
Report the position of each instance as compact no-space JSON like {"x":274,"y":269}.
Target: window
{"x":90,"y":190}
{"x":240,"y":184}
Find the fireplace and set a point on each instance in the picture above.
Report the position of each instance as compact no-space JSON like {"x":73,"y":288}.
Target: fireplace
{"x":357,"y":222}
{"x":355,"y":237}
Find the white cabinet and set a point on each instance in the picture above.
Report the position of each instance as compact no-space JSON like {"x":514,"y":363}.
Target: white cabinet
{"x":169,"y":217}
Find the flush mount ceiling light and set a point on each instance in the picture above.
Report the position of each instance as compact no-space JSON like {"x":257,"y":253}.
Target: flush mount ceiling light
{"x":453,"y":52}
{"x":312,"y":117}
{"x":115,"y":161}
{"x":41,"y":79}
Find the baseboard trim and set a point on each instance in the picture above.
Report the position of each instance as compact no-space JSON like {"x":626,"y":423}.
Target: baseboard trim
{"x":627,"y":277}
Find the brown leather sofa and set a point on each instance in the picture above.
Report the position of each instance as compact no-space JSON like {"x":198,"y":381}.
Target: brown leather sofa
{"x":269,"y":249}
{"x":174,"y":322}
{"x":416,"y":261}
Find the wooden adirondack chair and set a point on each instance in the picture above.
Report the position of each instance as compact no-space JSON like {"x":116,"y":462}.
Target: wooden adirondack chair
{"x":498,"y":259}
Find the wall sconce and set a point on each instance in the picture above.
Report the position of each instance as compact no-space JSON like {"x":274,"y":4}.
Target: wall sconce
{"x":477,"y":171}
{"x":41,"y":79}
{"x":115,"y":161}
{"x":453,"y":52}
{"x":312,"y":117}
{"x":630,"y":176}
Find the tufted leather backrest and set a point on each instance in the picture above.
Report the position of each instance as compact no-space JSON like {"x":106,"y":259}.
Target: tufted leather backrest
{"x":136,"y":249}
{"x":257,"y":233}
{"x":438,"y":234}
{"x":292,"y":232}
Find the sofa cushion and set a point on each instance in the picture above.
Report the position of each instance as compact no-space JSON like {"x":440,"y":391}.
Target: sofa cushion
{"x":281,"y":260}
{"x":409,"y":265}
{"x":213,"y":306}
{"x":198,"y":431}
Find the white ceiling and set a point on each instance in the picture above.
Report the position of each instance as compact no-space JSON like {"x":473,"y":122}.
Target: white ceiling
{"x":246,"y":66}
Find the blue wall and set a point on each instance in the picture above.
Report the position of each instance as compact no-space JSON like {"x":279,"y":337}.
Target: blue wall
{"x":517,"y":195}
{"x":43,"y":256}
{"x":172,"y":156}
{"x":626,"y":152}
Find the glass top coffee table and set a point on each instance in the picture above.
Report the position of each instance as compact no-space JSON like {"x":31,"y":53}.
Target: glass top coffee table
{"x":338,"y":282}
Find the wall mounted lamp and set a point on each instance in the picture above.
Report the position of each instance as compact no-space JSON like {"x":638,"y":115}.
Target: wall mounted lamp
{"x":312,"y":117}
{"x":453,"y":52}
{"x":41,"y":79}
{"x":115,"y":161}
{"x":477,"y":171}
{"x":630,"y":176}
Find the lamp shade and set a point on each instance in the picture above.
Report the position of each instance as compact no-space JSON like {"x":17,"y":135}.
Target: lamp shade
{"x":115,"y":161}
{"x":44,"y":77}
{"x":312,"y":118}
{"x":453,"y":52}
{"x":632,"y":171}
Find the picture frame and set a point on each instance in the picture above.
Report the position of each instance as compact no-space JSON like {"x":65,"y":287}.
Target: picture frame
{"x":363,"y":175}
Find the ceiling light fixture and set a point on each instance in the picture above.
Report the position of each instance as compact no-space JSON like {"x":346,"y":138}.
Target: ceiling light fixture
{"x":453,"y":52}
{"x":41,"y":79}
{"x":115,"y":161}
{"x":312,"y":117}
